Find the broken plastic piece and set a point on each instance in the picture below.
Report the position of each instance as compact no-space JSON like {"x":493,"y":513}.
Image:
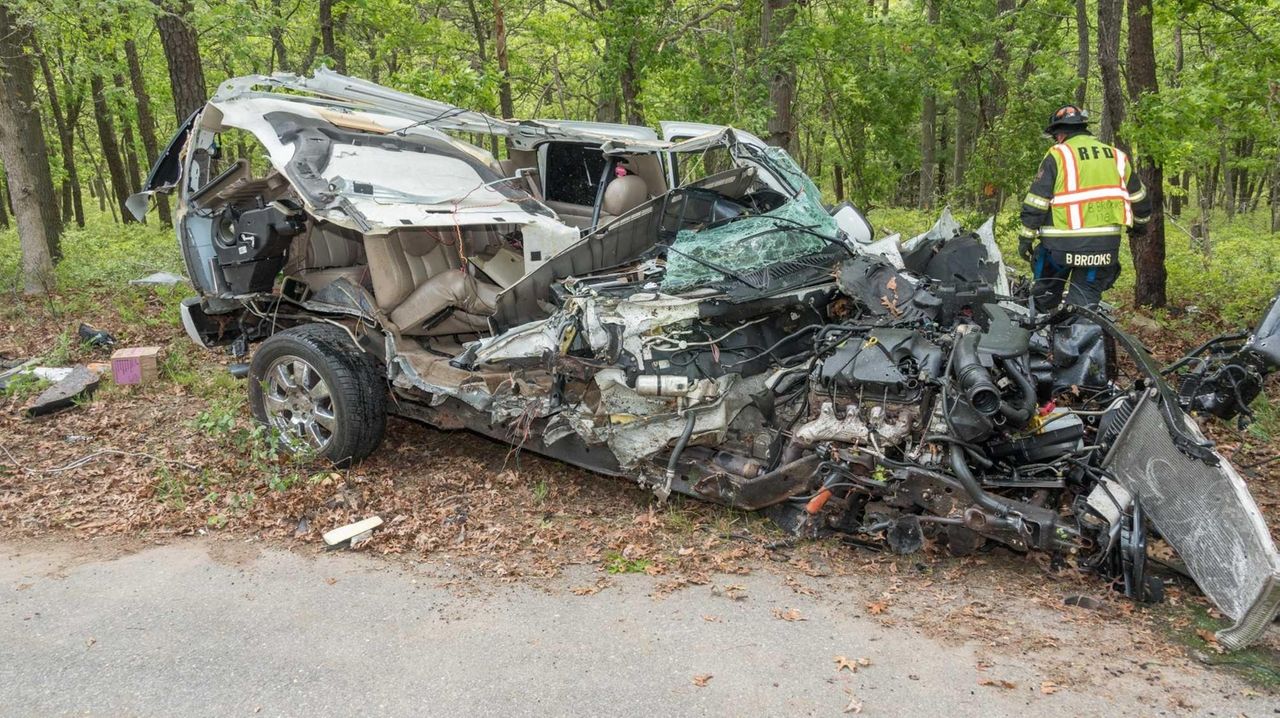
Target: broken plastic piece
{"x":351,"y":532}
{"x":95,"y":337}
{"x":80,"y":383}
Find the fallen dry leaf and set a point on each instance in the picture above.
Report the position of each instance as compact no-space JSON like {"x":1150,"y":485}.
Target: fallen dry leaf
{"x":876,"y":608}
{"x":855,"y":705}
{"x":1048,"y":687}
{"x":851,"y":664}
{"x":997,"y":683}
{"x":791,"y":614}
{"x":710,"y":618}
{"x":701,"y":680}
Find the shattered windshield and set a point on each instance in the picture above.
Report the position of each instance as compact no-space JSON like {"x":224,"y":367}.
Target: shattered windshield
{"x":797,"y":228}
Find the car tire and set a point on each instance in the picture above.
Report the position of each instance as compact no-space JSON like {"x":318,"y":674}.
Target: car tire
{"x":319,"y":392}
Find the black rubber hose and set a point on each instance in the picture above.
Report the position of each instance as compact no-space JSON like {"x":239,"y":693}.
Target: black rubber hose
{"x":960,"y":467}
{"x":975,"y":381}
{"x":1020,"y":415}
{"x":682,"y":442}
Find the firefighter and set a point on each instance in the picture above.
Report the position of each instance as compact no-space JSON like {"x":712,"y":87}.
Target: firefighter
{"x":1084,"y":196}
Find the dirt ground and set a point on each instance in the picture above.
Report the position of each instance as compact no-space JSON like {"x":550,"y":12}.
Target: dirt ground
{"x":179,"y":458}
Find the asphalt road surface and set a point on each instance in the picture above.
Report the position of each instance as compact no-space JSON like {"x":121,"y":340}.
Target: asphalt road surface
{"x":202,"y":627}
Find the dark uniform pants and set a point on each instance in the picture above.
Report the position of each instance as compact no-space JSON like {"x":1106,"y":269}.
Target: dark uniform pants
{"x":1083,"y":285}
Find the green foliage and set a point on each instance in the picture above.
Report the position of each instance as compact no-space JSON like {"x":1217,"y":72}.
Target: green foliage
{"x":100,"y":256}
{"x":615,"y":563}
{"x":23,"y":387}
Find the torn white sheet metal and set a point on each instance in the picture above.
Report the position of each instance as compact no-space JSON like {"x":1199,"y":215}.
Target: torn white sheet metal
{"x":362,"y":93}
{"x":945,"y":228}
{"x":887,"y":248}
{"x":406,"y":189}
{"x":987,"y":235}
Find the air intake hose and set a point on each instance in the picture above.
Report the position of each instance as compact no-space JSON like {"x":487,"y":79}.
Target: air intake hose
{"x":975,"y":380}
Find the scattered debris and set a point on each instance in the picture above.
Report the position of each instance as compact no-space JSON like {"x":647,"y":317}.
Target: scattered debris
{"x":1086,"y":602}
{"x":164,"y":279}
{"x":789,"y":615}
{"x":356,"y":533}
{"x":28,"y":368}
{"x":701,"y":680}
{"x":997,"y":683}
{"x":238,"y":370}
{"x":1049,"y":687}
{"x":855,"y":705}
{"x":592,"y":589}
{"x":95,"y":337}
{"x":734,"y":592}
{"x":851,"y":664}
{"x":136,"y":365}
{"x":78,"y":384}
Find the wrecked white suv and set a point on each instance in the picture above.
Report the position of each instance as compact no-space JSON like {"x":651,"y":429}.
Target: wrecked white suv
{"x":684,"y":312}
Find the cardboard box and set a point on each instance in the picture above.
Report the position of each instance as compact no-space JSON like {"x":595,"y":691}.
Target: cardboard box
{"x":136,"y":365}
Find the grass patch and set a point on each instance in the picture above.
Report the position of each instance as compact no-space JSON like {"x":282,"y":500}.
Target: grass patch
{"x":1260,"y":666}
{"x":24,"y":386}
{"x":616,"y":563}
{"x":101,"y":254}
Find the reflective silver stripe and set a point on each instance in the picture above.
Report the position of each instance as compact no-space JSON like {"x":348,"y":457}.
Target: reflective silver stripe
{"x":1139,"y":195}
{"x":1025,"y":231}
{"x":1142,"y":220}
{"x":1091,"y":195}
{"x":1036,"y":201}
{"x":1085,"y":232}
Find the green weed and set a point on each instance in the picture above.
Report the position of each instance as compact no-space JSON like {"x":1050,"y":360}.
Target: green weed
{"x":1258,"y":665}
{"x":615,"y":563}
{"x":540,"y":491}
{"x":171,"y":488}
{"x":24,"y":386}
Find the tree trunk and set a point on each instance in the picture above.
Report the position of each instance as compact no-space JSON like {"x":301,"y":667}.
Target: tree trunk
{"x":328,"y":42}
{"x":1147,"y":247}
{"x":960,"y":156}
{"x":505,"y":102}
{"x":279,"y":50}
{"x":928,"y":128}
{"x":1082,"y":51}
{"x":110,"y":147}
{"x":4,"y":203}
{"x":630,"y":82}
{"x":182,"y":51}
{"x":26,"y":157}
{"x":1275,"y":198}
{"x":608,"y":107}
{"x":146,"y":123}
{"x":777,"y":18}
{"x":1109,"y":20}
{"x":73,"y":201}
{"x":127,"y":138}
{"x":1228,"y":176}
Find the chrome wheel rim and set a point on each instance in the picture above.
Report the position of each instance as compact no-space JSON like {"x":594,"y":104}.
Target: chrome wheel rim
{"x":298,"y":404}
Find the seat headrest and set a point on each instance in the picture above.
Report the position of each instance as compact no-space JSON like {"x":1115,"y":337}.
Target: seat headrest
{"x":418,"y":242}
{"x":624,"y":194}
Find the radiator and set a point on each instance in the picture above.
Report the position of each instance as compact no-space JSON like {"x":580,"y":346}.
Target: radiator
{"x":1207,"y":515}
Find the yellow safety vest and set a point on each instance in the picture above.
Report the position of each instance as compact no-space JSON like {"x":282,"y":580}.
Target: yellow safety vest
{"x":1089,"y":194}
